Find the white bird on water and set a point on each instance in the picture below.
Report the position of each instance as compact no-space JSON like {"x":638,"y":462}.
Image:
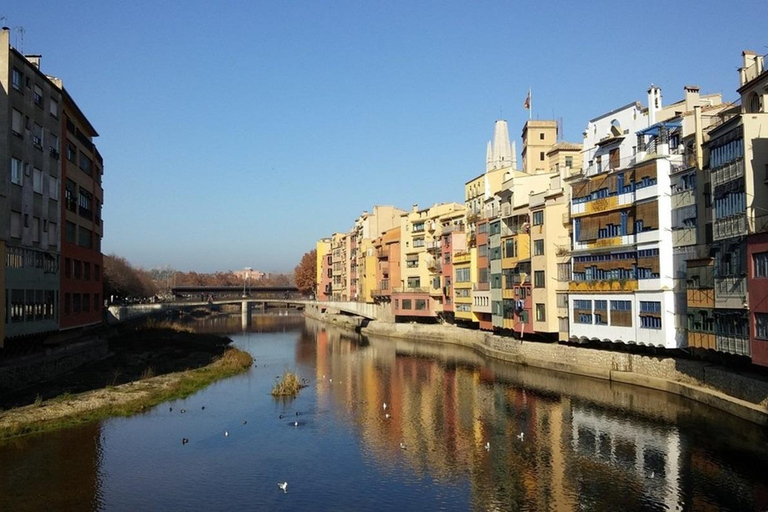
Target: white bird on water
{"x":283,"y":486}
{"x":402,"y":446}
{"x":487,"y":446}
{"x":521,"y":435}
{"x":226,"y":433}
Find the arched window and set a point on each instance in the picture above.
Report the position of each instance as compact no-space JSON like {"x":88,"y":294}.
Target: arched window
{"x":755,"y":103}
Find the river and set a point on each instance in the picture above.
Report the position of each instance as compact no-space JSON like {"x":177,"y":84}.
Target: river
{"x":554,"y":441}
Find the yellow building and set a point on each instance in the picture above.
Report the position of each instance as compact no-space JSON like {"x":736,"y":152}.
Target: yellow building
{"x":322,"y":248}
{"x":420,"y":259}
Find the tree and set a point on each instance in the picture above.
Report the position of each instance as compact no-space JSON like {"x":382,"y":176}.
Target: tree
{"x":123,"y":280}
{"x":305,"y":273}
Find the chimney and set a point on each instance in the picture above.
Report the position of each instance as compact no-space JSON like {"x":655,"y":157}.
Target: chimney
{"x":34,"y":60}
{"x":691,"y":97}
{"x":654,"y":104}
{"x":753,"y":66}
{"x":699,"y":136}
{"x":415,"y":207}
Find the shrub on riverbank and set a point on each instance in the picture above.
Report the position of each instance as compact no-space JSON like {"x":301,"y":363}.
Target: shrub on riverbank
{"x":289,"y":385}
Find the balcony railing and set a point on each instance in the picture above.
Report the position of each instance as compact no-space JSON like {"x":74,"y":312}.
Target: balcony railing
{"x":410,"y":290}
{"x":481,"y":287}
{"x":729,"y":227}
{"x":728,"y":173}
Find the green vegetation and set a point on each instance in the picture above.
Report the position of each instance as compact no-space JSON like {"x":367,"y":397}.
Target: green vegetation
{"x":289,"y":385}
{"x":124,"y":400}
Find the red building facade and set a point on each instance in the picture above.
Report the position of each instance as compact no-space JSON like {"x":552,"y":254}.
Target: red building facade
{"x":82,"y":262}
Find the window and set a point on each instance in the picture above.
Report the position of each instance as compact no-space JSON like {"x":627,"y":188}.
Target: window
{"x":86,"y":302}
{"x":37,"y":181}
{"x":77,"y":267}
{"x":16,"y":79}
{"x":541,"y":156}
{"x":15,"y":224}
{"x":53,"y":187}
{"x":650,"y":322}
{"x":17,"y":123}
{"x":510,"y":248}
{"x":84,"y":201}
{"x":538,"y":247}
{"x":538,"y":279}
{"x":53,"y":108}
{"x":420,"y":304}
{"x":71,"y":152}
{"x":418,"y":242}
{"x":75,"y":302}
{"x":69,"y":195}
{"x":406,"y":303}
{"x":37,"y":135}
{"x":760,"y":264}
{"x":540,"y":313}
{"x":462,"y":275}
{"x":38,"y":95}
{"x":569,"y":161}
{"x":96,"y":302}
{"x":17,"y":172}
{"x":541,"y":136}
{"x":86,"y":271}
{"x":414,"y":282}
{"x":53,"y":142}
{"x":36,"y":229}
{"x":538,"y":218}
{"x":53,"y":234}
{"x":71,"y":232}
{"x":67,"y":303}
{"x":761,"y":326}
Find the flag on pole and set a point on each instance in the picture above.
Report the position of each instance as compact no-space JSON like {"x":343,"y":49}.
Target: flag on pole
{"x":527,"y":103}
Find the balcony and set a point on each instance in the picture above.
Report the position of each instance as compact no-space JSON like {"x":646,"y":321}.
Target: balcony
{"x":481,"y":287}
{"x":729,"y":227}
{"x":434,"y":245}
{"x":462,"y":257}
{"x":617,"y":285}
{"x":410,"y":290}
{"x":728,"y":173}
{"x":382,"y":253}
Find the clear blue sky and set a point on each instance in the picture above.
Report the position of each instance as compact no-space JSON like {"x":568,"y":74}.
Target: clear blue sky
{"x":238,"y":133}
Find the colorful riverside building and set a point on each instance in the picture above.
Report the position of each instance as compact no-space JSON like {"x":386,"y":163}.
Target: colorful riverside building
{"x":528,"y":236}
{"x":478,"y":193}
{"x":368,"y":226}
{"x":627,"y":261}
{"x":387,"y":251}
{"x":31,"y":106}
{"x":417,"y":294}
{"x":738,"y":166}
{"x":323,"y":269}
{"x":82,"y":261}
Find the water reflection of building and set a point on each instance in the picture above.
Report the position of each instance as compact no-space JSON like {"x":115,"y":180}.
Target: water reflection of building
{"x":649,"y":456}
{"x":58,"y":471}
{"x":586,"y":444}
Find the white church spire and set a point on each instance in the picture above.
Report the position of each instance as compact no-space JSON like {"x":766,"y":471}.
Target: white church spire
{"x":500,"y":154}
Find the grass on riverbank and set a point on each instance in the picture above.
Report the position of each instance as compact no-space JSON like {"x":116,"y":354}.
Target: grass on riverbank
{"x":289,"y":385}
{"x":125,"y":400}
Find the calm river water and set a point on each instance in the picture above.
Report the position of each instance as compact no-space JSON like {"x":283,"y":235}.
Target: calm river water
{"x":556,"y":442}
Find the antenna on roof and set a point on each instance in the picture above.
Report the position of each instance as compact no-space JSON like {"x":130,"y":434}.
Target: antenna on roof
{"x":20,"y":36}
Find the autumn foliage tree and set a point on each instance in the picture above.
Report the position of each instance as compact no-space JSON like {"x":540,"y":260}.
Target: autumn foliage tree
{"x":305,"y":273}
{"x":123,"y":280}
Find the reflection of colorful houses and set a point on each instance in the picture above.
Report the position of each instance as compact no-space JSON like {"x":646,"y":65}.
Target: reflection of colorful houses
{"x":650,"y":457}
